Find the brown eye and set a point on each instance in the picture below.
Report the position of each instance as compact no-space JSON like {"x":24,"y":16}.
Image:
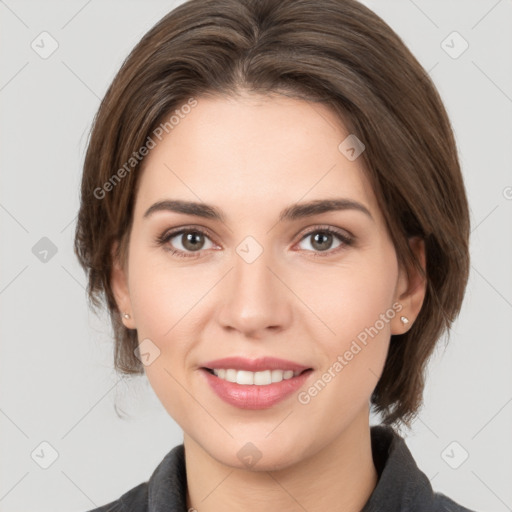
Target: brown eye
{"x":326,"y":240}
{"x":185,"y":242}
{"x":192,"y":241}
{"x":322,"y":241}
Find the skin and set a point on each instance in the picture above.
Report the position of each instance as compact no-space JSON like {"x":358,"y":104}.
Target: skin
{"x":251,"y":157}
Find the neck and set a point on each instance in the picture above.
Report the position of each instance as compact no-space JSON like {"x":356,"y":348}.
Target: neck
{"x":341,"y":473}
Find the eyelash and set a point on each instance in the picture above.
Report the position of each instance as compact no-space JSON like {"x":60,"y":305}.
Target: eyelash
{"x":347,"y":240}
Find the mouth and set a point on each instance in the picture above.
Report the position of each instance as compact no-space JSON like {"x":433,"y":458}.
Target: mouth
{"x":254,"y":383}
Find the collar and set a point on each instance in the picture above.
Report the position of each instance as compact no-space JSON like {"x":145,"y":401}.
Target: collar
{"x":401,"y":485}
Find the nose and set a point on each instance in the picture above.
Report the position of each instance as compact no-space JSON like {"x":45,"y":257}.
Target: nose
{"x":256,"y":300}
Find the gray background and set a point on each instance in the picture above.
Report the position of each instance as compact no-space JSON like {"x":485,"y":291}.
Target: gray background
{"x":57,"y":378}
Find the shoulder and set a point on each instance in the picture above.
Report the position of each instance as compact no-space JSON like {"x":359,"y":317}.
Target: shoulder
{"x":135,"y":500}
{"x":445,"y":504}
{"x":402,"y":486}
{"x":166,"y":487}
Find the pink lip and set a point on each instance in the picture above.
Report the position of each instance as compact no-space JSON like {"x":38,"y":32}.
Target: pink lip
{"x":254,"y":396}
{"x":254,"y":365}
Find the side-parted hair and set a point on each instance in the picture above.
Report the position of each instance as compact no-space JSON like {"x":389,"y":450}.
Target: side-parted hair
{"x":338,"y":53}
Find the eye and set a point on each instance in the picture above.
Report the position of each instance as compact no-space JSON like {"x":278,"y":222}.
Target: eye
{"x":185,"y":242}
{"x":326,"y":239}
{"x":190,"y":242}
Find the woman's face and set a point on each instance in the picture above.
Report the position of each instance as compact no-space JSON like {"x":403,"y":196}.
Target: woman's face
{"x":270,"y":278}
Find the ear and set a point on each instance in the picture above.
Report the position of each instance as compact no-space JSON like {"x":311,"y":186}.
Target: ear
{"x":119,"y":285}
{"x":411,"y":289}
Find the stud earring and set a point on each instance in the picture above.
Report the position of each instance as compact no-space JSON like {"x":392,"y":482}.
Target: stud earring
{"x":404,"y":320}
{"x":126,"y":315}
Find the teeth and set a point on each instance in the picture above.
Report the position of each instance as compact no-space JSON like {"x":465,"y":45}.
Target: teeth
{"x":262,"y":378}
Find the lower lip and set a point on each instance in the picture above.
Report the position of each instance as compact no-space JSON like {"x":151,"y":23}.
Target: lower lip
{"x":252,"y":396}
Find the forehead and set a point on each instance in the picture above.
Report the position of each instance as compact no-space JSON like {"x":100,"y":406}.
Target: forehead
{"x":253,"y":151}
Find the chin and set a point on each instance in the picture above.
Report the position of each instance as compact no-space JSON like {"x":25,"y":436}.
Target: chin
{"x":258,"y":453}
{"x":255,"y":461}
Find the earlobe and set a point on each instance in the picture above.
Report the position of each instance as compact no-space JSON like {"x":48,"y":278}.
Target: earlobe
{"x":411,"y":289}
{"x":119,"y":285}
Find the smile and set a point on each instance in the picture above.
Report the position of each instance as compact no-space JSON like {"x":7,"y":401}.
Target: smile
{"x":254,"y":384}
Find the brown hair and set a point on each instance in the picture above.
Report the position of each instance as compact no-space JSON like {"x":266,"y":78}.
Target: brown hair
{"x":336,"y":52}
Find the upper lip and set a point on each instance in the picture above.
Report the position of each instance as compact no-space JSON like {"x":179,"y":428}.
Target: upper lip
{"x":254,"y":365}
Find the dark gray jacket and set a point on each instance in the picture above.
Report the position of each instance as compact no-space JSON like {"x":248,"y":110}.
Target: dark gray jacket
{"x":402,"y":487}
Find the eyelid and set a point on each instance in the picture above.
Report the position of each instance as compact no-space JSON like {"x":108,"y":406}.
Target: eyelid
{"x":344,"y":233}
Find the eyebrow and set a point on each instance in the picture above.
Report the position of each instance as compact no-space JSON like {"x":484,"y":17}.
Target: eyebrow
{"x":292,"y":212}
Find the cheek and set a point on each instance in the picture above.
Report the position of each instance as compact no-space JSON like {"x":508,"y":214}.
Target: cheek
{"x":168,"y":301}
{"x":355,"y":304}
{"x":351,"y":298}
{"x":164,"y":299}
{"x":162,"y":294}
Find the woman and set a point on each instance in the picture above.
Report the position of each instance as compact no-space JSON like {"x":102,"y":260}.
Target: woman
{"x":273,"y":209}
